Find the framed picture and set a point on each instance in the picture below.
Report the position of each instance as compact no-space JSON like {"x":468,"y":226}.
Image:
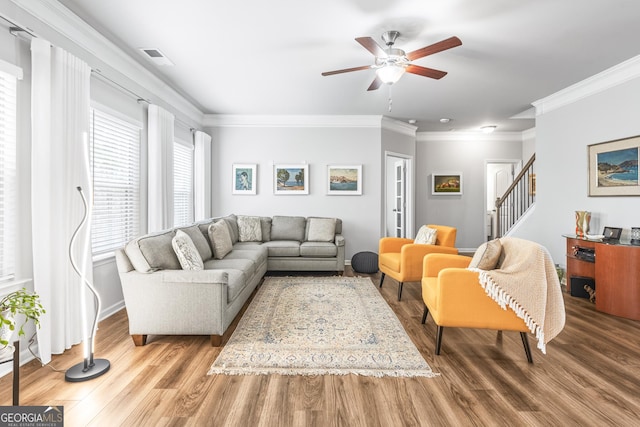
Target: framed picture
{"x":245,"y":179}
{"x":291,"y":179}
{"x":344,"y":180}
{"x":446,"y":184}
{"x":613,"y":168}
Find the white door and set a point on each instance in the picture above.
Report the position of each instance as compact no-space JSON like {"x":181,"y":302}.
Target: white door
{"x":500,"y":176}
{"x":399,"y":204}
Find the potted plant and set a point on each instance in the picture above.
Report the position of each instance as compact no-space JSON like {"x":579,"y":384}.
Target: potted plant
{"x":18,"y":302}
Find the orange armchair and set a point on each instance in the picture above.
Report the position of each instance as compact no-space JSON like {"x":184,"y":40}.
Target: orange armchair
{"x":454,"y":297}
{"x":401,"y":259}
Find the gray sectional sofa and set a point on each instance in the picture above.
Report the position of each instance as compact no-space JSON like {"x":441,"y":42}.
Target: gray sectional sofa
{"x":162,"y":298}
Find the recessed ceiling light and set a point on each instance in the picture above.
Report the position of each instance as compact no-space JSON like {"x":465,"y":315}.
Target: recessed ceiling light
{"x":445,"y":120}
{"x":488,"y":129}
{"x":412,"y":121}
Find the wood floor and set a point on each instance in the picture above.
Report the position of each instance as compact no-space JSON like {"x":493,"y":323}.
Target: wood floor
{"x":589,"y":377}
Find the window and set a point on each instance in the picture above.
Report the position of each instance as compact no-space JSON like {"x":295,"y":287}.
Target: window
{"x":7,"y":175}
{"x":115,"y":165}
{"x":182,"y":183}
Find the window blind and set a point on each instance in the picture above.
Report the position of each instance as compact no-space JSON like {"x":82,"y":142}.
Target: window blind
{"x":182,"y":183}
{"x":7,"y":175}
{"x":115,"y":165}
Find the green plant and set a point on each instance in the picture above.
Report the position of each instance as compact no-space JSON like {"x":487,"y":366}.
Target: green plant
{"x":20,"y":302}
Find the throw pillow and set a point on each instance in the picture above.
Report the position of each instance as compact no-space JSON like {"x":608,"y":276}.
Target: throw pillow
{"x":487,"y":255}
{"x":186,"y":251}
{"x":321,"y":230}
{"x":426,"y":236}
{"x":220,"y":238}
{"x":249,"y":229}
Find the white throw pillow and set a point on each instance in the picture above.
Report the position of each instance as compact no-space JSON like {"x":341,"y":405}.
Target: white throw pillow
{"x":186,"y":252}
{"x":220,"y":237}
{"x":249,"y":229}
{"x":426,"y":236}
{"x":321,"y":230}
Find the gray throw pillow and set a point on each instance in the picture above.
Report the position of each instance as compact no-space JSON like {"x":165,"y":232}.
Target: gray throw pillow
{"x":186,"y":252}
{"x":321,"y":229}
{"x":249,"y":229}
{"x":487,"y":256}
{"x":220,"y":238}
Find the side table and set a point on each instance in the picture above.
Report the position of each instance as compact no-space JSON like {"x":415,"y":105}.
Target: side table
{"x":16,"y":371}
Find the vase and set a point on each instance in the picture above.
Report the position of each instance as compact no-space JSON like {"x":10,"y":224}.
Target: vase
{"x":582,"y":223}
{"x":6,"y":334}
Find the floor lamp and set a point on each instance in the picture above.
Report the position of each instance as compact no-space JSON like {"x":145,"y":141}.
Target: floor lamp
{"x":90,"y":368}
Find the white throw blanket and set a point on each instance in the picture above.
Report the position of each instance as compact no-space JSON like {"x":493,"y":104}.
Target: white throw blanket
{"x":527,"y":283}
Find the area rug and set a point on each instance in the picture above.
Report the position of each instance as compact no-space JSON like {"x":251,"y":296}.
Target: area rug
{"x":320,"y":326}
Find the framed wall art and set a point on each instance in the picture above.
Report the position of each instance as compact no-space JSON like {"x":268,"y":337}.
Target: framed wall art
{"x":245,"y":179}
{"x":613,"y":168}
{"x":446,"y":184}
{"x":291,"y":179}
{"x":344,"y":180}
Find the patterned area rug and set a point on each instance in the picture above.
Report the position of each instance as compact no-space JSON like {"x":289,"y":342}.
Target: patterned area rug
{"x":319,"y":326}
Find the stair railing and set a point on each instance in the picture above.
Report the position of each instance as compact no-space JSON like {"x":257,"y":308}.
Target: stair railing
{"x":520,"y":195}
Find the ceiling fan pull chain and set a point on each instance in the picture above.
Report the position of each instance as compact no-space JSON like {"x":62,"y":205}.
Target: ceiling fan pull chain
{"x":390,"y":100}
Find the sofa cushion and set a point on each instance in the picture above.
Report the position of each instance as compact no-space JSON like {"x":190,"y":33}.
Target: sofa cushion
{"x":232,"y":221}
{"x":283,"y":248}
{"x":249,"y":229}
{"x":236,"y":284}
{"x":318,"y":249}
{"x":321,"y":229}
{"x":186,"y":251}
{"x":201,"y":243}
{"x":288,"y":228}
{"x":265,"y":224}
{"x":245,"y":265}
{"x":258,"y":257}
{"x":220,"y":238}
{"x":426,"y":236}
{"x":204,"y":228}
{"x":153,"y":252}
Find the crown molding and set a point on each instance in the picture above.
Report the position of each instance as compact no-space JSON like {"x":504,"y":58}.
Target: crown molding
{"x":399,"y":126}
{"x":103,"y":54}
{"x":469,"y":136}
{"x":614,"y":76}
{"x":329,"y":121}
{"x":529,"y":134}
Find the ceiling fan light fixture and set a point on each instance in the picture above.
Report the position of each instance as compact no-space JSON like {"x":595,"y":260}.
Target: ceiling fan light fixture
{"x":488,"y":129}
{"x":390,"y":73}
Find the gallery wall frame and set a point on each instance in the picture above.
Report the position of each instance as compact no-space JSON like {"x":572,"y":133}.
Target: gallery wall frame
{"x":344,"y":180}
{"x":245,"y":178}
{"x":613,"y":167}
{"x":290,"y":179}
{"x":446,"y":183}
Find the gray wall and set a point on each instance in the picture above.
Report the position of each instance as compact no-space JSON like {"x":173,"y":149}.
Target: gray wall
{"x":562,"y":137}
{"x":318,"y":147}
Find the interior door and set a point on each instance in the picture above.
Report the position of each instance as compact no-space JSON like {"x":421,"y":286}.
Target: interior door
{"x":400,"y":190}
{"x":499,"y":177}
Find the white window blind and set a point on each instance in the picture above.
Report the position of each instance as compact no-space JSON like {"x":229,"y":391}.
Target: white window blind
{"x":7,"y":175}
{"x":182,"y":183}
{"x":115,"y":164}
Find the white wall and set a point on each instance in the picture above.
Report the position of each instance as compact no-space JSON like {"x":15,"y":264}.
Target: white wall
{"x":446,"y":152}
{"x":562,"y":137}
{"x":316,"y":146}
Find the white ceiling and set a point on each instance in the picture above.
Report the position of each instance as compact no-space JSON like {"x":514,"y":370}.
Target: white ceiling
{"x":265,"y":57}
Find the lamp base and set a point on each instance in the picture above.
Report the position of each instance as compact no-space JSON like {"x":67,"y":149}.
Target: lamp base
{"x":77,"y":373}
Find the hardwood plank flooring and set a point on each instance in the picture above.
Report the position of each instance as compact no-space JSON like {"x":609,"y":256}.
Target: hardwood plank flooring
{"x":589,"y":377}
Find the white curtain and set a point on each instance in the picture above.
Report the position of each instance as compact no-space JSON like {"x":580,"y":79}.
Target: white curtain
{"x":160,"y":151}
{"x":59,"y":127}
{"x":202,"y":175}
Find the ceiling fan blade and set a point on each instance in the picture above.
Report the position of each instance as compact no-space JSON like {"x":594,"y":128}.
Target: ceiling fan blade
{"x":375,"y":84}
{"x":434,"y":48}
{"x":424,"y":71}
{"x":371,"y":45}
{"x":346,"y":70}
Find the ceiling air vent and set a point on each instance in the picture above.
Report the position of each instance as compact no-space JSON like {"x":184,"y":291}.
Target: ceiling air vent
{"x":155,"y":56}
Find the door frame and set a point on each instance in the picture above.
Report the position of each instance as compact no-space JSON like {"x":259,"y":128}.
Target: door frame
{"x":409,"y":196}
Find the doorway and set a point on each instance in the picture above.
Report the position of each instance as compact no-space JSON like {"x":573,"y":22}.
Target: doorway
{"x":398,"y":195}
{"x":499,"y":176}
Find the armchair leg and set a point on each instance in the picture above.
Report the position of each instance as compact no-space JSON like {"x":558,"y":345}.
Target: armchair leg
{"x":424,"y":314}
{"x":439,"y":339}
{"x":382,"y":279}
{"x":527,"y":349}
{"x":399,"y":290}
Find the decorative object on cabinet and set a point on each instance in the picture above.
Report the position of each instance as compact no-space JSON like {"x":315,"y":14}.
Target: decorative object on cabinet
{"x":344,"y":180}
{"x":582,"y":223}
{"x":291,"y":179}
{"x":635,"y":235}
{"x":613,"y":168}
{"x":245,"y":179}
{"x":611,"y":234}
{"x":443,"y":184}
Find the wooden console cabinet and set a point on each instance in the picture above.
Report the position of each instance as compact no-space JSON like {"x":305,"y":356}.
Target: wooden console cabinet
{"x":616,"y":272}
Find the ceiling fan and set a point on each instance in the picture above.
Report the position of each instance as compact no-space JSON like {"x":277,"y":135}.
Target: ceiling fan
{"x":391,"y":63}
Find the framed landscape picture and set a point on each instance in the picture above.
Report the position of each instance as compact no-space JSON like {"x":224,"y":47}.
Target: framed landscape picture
{"x":291,"y":179}
{"x":613,"y":168}
{"x":344,"y":180}
{"x":446,"y":184}
{"x":244,"y":179}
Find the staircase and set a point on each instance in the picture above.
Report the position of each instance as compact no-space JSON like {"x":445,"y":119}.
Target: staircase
{"x":518,"y":198}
